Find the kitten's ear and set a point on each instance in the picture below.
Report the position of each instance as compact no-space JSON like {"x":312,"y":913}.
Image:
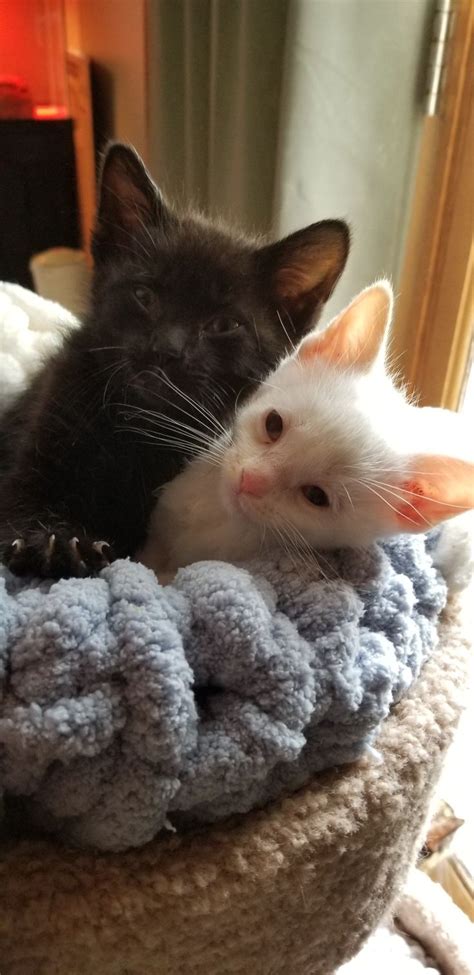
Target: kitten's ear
{"x":128,"y":200}
{"x":356,"y":337}
{"x":302,"y":270}
{"x":434,"y":489}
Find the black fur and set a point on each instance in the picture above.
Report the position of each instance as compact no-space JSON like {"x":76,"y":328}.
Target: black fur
{"x":177,"y":302}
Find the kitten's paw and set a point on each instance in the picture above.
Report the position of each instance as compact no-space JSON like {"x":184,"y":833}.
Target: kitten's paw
{"x":57,"y":554}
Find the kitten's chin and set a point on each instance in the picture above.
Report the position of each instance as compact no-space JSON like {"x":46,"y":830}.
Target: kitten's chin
{"x":245,"y":508}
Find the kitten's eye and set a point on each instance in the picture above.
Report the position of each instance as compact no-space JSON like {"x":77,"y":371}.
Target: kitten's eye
{"x":222,"y":326}
{"x":315,"y":495}
{"x":273,"y":425}
{"x":144,"y":296}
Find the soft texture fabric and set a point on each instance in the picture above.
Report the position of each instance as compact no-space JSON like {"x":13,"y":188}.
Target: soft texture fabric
{"x":392,"y":952}
{"x":292,"y":890}
{"x":128,"y":706}
{"x":428,"y":935}
{"x":428,"y":914}
{"x":31,"y":329}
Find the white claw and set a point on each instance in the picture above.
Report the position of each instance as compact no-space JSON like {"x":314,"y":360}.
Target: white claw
{"x":74,"y":545}
{"x":99,"y":547}
{"x":18,"y":545}
{"x":50,"y":546}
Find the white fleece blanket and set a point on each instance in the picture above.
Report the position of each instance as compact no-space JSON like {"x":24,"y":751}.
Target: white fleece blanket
{"x":31,"y":328}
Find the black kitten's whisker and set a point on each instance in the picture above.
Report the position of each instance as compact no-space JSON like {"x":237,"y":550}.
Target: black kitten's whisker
{"x":112,"y":376}
{"x":193,"y":403}
{"x":165,"y":432}
{"x":256,"y":332}
{"x":77,"y":389}
{"x":186,"y":437}
{"x":175,"y":406}
{"x":156,"y":439}
{"x":180,"y":409}
{"x":290,"y":320}
{"x":265,"y":382}
{"x":290,"y":340}
{"x":157,"y":417}
{"x":236,"y":404}
{"x":219,"y":396}
{"x":161,"y":421}
{"x":104,"y":348}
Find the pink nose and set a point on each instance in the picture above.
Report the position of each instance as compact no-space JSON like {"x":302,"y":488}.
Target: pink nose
{"x":253,"y":483}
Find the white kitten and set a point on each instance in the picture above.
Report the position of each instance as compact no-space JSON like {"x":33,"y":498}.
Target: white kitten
{"x":326,"y":453}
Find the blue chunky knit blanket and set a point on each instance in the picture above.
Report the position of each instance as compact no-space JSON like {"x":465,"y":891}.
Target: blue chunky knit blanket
{"x":126,"y":707}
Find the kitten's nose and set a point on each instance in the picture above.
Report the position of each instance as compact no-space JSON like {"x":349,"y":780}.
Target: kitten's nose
{"x":251,"y":482}
{"x":171,"y":344}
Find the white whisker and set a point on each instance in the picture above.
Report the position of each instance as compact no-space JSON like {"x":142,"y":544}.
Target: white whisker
{"x":390,"y":488}
{"x":393,"y":508}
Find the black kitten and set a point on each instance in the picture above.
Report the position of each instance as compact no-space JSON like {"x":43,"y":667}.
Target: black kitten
{"x":185,"y":317}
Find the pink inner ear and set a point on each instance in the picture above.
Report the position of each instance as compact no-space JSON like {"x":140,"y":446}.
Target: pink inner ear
{"x":355,"y":338}
{"x":446,"y":490}
{"x":327,"y":345}
{"x":414,"y":511}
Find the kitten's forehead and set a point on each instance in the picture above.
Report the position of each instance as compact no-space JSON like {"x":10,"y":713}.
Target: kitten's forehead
{"x":329,"y":428}
{"x":304,"y":391}
{"x":207,"y":267}
{"x":195,"y":264}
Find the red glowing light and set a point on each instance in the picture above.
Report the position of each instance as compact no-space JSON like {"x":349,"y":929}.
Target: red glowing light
{"x":48,"y":112}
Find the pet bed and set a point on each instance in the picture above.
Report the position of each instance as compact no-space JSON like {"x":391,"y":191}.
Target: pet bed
{"x":294,"y":889}
{"x":128,"y":707}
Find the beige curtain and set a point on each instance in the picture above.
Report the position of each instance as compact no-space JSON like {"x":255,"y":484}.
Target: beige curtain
{"x":215,"y":75}
{"x":277,"y":113}
{"x":352,"y":111}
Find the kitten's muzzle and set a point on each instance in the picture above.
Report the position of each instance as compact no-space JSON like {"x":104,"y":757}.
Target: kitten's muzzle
{"x":171,"y":345}
{"x":253,"y":483}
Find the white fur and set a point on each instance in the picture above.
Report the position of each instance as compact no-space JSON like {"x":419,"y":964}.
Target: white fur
{"x":343,"y":427}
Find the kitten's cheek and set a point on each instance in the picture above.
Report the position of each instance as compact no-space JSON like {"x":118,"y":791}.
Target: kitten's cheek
{"x":230,"y":479}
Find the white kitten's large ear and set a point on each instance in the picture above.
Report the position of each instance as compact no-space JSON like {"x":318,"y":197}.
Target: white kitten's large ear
{"x":434,"y":489}
{"x":356,"y":337}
